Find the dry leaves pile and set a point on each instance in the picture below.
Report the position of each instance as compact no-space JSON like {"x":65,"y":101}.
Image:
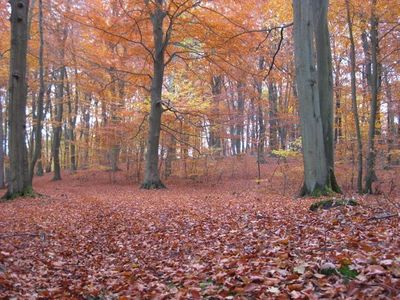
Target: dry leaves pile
{"x":87,"y":239}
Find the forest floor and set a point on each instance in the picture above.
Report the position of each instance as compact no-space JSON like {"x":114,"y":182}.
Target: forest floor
{"x":85,"y":238}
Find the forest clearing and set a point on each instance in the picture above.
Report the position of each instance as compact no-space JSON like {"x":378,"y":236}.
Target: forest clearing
{"x":199,"y":149}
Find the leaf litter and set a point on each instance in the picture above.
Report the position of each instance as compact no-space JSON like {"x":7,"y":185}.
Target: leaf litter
{"x":227,"y":241}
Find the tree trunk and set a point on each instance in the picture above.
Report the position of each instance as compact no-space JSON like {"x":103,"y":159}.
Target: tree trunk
{"x":273,"y":115}
{"x":37,"y":143}
{"x":171,"y":156}
{"x":260,"y":117}
{"x":338,"y":113}
{"x":215,"y":139}
{"x":57,"y":129}
{"x":19,"y":183}
{"x":391,"y":129}
{"x":152,"y":175}
{"x":314,"y":83}
{"x":2,"y":181}
{"x":354,"y":101}
{"x":240,"y":115}
{"x":370,"y":175}
{"x":48,"y":109}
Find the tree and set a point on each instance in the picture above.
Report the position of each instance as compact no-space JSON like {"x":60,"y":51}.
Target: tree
{"x":374,"y":85}
{"x":2,"y":179}
{"x":315,"y":90}
{"x":152,"y":175}
{"x":19,"y":183}
{"x":37,"y":128}
{"x":354,"y":100}
{"x":59,"y":105}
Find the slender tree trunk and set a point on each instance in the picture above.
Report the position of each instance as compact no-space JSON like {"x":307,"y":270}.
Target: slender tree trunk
{"x":118,"y":93}
{"x":215,"y":139}
{"x":273,"y":115}
{"x":391,"y":129}
{"x":85,"y":108}
{"x":240,"y":117}
{"x":57,"y":129}
{"x":74,"y":111}
{"x":59,"y":107}
{"x":260,"y":123}
{"x":48,"y":109}
{"x":37,"y":143}
{"x":2,"y":180}
{"x":152,"y":174}
{"x":171,"y":156}
{"x":370,"y":175}
{"x":19,"y":183}
{"x":354,"y":100}
{"x":338,"y":113}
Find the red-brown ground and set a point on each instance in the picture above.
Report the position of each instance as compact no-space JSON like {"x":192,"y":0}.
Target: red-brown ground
{"x":204,"y":238}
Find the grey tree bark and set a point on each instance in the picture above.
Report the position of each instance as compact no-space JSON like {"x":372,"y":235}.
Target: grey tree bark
{"x":214,"y":137}
{"x":2,"y":179}
{"x":57,"y":128}
{"x":37,"y":143}
{"x":19,"y":183}
{"x":59,"y":108}
{"x":260,"y":123}
{"x":152,"y":175}
{"x":370,"y":175}
{"x":354,"y":100}
{"x":391,"y":125}
{"x":273,"y":115}
{"x":314,"y":83}
{"x":171,"y":156}
{"x":240,"y":118}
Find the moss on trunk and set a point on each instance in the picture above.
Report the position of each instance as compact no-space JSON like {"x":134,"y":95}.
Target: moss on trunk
{"x":27,"y":192}
{"x":153,"y":185}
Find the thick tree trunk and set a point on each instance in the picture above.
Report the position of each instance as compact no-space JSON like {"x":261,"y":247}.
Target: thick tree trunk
{"x":152,"y":174}
{"x":370,"y":175}
{"x":19,"y":183}
{"x":37,"y":143}
{"x":325,"y":86}
{"x":315,"y":94}
{"x":354,"y":100}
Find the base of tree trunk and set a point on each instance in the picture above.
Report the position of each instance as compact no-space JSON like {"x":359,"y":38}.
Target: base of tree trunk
{"x":369,"y":180}
{"x":330,"y":188}
{"x":333,"y":182}
{"x":153,"y":185}
{"x":28,"y":192}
